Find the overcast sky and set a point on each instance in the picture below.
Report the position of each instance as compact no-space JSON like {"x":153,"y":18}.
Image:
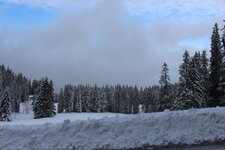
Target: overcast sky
{"x":104,"y":41}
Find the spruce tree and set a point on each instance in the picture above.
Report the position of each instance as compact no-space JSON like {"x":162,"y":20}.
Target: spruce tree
{"x":68,"y":98}
{"x":223,"y":37}
{"x":135,"y":100}
{"x":124,"y":100}
{"x":183,"y":100}
{"x":61,"y":101}
{"x":51,"y":94}
{"x":150,"y":97}
{"x":196,"y":82}
{"x":222,"y":72}
{"x":102,"y":100}
{"x":44,"y":106}
{"x":94,"y":99}
{"x":118,"y":98}
{"x":5,"y":110}
{"x":85,"y":97}
{"x":215,"y":69}
{"x":107,"y":94}
{"x":165,"y":97}
{"x":78,"y":105}
{"x":205,"y":77}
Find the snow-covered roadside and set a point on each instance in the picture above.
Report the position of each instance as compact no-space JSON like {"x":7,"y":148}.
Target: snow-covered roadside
{"x":27,"y":119}
{"x":153,"y":129}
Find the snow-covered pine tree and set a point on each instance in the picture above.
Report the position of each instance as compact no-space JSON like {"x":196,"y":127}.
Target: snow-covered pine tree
{"x":61,"y":101}
{"x":109,"y":91}
{"x":196,"y":80}
{"x":13,"y":97}
{"x":35,"y":87}
{"x":165,"y":97}
{"x":94,"y":98}
{"x":85,"y":96}
{"x":223,"y":37}
{"x":85,"y":99}
{"x":222,"y":72}
{"x":123,"y":101}
{"x":107,"y":94}
{"x":135,"y":100}
{"x":145,"y":95}
{"x":102,"y":100}
{"x":75,"y":97}
{"x":5,"y":110}
{"x":215,"y":93}
{"x":183,"y":100}
{"x":118,"y":98}
{"x":43,"y":106}
{"x":150,"y":97}
{"x":51,"y":98}
{"x":78,"y":105}
{"x":111,"y":102}
{"x":131,"y":100}
{"x":98,"y":100}
{"x":68,"y":98}
{"x":205,"y":76}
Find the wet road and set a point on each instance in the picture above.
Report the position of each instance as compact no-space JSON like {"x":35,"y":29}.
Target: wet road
{"x":206,"y":146}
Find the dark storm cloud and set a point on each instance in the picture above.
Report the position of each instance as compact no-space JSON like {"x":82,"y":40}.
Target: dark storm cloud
{"x":100,"y":46}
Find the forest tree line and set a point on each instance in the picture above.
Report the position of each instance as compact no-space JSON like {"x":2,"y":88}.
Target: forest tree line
{"x":201,"y":84}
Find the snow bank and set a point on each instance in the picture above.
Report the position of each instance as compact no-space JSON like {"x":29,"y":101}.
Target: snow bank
{"x":153,"y":129}
{"x":28,"y":119}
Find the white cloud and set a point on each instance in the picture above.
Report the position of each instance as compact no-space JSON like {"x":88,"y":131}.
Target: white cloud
{"x":180,"y":10}
{"x":100,"y":46}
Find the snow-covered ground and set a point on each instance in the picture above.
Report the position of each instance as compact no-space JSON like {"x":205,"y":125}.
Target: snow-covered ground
{"x":27,"y":119}
{"x":115,"y":131}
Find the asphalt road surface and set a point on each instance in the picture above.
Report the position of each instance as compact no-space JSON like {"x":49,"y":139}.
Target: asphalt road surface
{"x":205,"y":146}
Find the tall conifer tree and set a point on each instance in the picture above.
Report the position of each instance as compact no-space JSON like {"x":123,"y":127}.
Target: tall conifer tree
{"x":165,"y":97}
{"x":44,"y":106}
{"x":5,"y":109}
{"x":183,"y":100}
{"x":215,"y":69}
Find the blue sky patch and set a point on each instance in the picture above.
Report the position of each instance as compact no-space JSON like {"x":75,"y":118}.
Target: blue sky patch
{"x":20,"y":16}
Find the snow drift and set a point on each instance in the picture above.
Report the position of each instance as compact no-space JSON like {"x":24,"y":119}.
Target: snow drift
{"x":153,"y":129}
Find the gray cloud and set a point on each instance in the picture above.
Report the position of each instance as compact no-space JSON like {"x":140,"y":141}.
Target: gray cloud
{"x":100,"y":46}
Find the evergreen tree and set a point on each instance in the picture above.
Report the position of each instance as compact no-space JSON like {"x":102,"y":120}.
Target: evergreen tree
{"x":13,"y":97}
{"x":222,"y":72}
{"x":109,"y":91}
{"x":61,"y":101}
{"x":205,"y":77}
{"x":44,"y":106}
{"x":118,"y":98}
{"x":196,"y":82}
{"x":85,"y":98}
{"x":165,"y":97}
{"x":135,"y":100}
{"x":78,"y":107}
{"x":183,"y":100}
{"x":123,"y":101}
{"x":215,"y":92}
{"x":5,"y":110}
{"x":51,"y":98}
{"x":68,"y":98}
{"x":94,"y":99}
{"x":223,"y":37}
{"x":102,"y":100}
{"x":150,"y":96}
{"x":35,"y":87}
